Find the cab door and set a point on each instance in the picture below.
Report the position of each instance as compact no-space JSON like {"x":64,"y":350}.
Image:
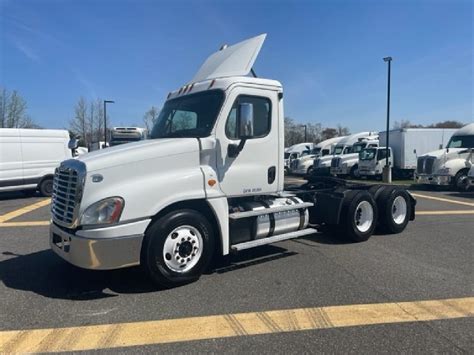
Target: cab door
{"x":254,"y":169}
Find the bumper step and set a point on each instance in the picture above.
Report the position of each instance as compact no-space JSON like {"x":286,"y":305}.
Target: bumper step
{"x":274,"y":239}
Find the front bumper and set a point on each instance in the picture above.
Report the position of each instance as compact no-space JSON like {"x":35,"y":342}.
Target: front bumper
{"x":339,"y":171}
{"x":106,"y":248}
{"x":367,"y":172}
{"x":440,"y":180}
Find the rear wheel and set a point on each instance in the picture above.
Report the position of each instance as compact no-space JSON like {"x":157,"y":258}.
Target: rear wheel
{"x":46,"y":187}
{"x":394,"y":209}
{"x":358,"y":215}
{"x":177,"y":248}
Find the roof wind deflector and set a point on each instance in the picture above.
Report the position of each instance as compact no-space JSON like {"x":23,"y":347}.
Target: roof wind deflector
{"x":235,"y":60}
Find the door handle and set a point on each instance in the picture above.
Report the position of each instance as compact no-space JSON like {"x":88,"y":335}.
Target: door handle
{"x":271,"y":174}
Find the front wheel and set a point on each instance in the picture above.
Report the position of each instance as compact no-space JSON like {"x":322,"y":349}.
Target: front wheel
{"x":461,"y":182}
{"x":46,"y":187}
{"x":354,"y":173}
{"x":177,"y":248}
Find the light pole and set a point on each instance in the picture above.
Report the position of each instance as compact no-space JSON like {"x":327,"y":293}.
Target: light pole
{"x":105,"y":119}
{"x":387,"y":170}
{"x":305,"y":132}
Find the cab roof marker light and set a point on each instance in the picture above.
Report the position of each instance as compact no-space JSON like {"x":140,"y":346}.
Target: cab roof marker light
{"x":212,"y":83}
{"x":169,"y":94}
{"x":190,"y":88}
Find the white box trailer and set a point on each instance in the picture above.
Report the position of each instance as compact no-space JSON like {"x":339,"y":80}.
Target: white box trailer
{"x":409,"y":143}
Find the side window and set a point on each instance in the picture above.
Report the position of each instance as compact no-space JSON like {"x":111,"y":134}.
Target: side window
{"x":382,"y":154}
{"x":261,"y":119}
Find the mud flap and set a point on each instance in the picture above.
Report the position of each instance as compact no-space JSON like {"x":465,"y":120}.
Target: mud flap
{"x":326,"y":209}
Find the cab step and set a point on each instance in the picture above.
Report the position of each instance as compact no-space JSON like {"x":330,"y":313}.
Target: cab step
{"x":274,"y":239}
{"x":246,"y":214}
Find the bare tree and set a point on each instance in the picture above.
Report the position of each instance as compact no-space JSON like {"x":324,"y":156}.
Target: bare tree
{"x":342,"y":131}
{"x":13,"y":111}
{"x":150,"y":117}
{"x":79,"y":125}
{"x":3,"y":107}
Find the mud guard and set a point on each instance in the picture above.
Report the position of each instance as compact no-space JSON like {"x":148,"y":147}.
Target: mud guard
{"x":327,"y":208}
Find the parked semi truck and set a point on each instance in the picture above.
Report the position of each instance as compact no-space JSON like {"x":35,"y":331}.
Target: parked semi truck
{"x":122,"y":135}
{"x":404,"y":146}
{"x":348,"y":164}
{"x":322,"y":165}
{"x":208,"y":188}
{"x":304,"y":164}
{"x":449,"y":166}
{"x":294,"y":152}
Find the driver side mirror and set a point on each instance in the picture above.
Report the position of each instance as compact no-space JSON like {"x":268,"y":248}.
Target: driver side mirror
{"x":245,"y":128}
{"x":245,"y":119}
{"x":73,"y":143}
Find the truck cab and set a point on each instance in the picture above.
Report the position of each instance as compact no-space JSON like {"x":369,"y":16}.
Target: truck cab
{"x":372,"y":160}
{"x":209,"y":181}
{"x":449,"y":166}
{"x":347,"y":164}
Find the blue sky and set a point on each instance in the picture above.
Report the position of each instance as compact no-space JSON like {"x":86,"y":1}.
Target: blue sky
{"x":327,"y":54}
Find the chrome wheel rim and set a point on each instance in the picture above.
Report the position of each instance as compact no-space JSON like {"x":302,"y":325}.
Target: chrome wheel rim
{"x":399,"y":210}
{"x":182,"y":249}
{"x":364,"y":216}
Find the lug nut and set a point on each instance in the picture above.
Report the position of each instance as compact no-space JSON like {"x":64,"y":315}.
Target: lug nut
{"x":174,"y":235}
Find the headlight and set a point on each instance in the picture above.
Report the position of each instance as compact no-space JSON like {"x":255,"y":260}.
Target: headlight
{"x":444,"y":171}
{"x":106,"y":211}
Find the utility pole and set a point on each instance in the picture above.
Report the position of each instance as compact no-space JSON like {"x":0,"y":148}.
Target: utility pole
{"x":387,"y":170}
{"x":105,"y":120}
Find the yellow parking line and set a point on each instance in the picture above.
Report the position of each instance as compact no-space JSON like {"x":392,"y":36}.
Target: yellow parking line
{"x":24,"y":224}
{"x":443,"y":213}
{"x":457,"y":202}
{"x":230,"y":325}
{"x":23,"y":210}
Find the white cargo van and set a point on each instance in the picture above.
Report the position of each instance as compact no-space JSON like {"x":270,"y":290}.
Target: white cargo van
{"x":28,"y":158}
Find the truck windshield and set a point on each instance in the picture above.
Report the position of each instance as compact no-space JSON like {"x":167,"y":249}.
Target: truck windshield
{"x":367,"y":154}
{"x":356,"y":148}
{"x":287,"y":155}
{"x":190,"y":116}
{"x":461,"y":142}
{"x":338,"y":150}
{"x":315,"y":151}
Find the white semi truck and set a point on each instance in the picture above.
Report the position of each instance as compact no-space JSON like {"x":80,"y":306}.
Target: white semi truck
{"x":404,"y":146}
{"x":322,"y":165}
{"x":348,"y":164}
{"x":294,"y":152}
{"x":304,"y":164}
{"x":449,"y":166}
{"x":207,"y":186}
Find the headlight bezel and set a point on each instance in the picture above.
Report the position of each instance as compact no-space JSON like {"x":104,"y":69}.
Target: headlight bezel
{"x":112,"y":218}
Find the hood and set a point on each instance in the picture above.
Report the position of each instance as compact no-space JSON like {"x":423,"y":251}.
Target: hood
{"x":347,"y":157}
{"x":442,"y":152}
{"x":138,"y":151}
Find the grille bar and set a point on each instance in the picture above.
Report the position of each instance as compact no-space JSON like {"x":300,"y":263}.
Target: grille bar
{"x":67,"y":190}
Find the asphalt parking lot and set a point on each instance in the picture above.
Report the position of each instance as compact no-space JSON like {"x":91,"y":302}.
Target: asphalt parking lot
{"x":411,"y":292}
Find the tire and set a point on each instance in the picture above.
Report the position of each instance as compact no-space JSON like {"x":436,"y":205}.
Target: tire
{"x":376,"y":190}
{"x":178,"y":248}
{"x":45,"y":187}
{"x":358,"y":216}
{"x":460,"y":181}
{"x":394,"y":208}
{"x":354,"y":173}
{"x":310,"y":171}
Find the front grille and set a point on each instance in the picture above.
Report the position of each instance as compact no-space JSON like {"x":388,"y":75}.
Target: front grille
{"x":316,"y":162}
{"x":424,"y":165}
{"x":335,"y":162}
{"x":67,"y":191}
{"x":429,"y":162}
{"x":294,"y":164}
{"x":420,"y":163}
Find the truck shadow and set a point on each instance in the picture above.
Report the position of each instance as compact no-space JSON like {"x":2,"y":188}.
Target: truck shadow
{"x":18,"y":195}
{"x":45,"y":274}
